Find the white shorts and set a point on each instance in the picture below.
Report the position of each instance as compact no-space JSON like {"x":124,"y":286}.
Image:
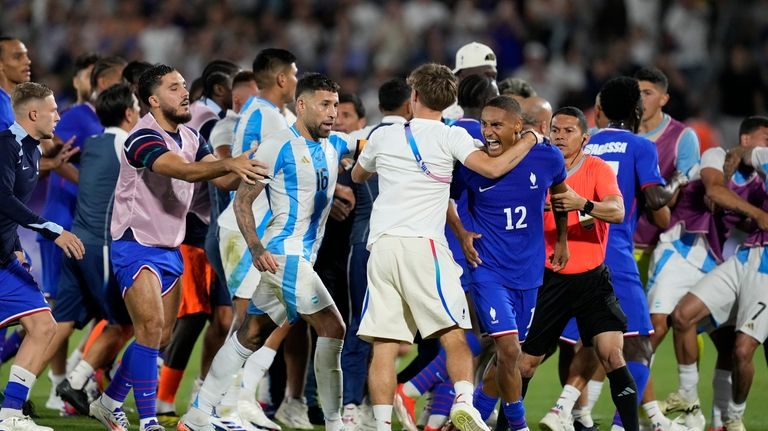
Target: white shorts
{"x":413,"y":284}
{"x":739,"y":283}
{"x":294,"y":290}
{"x":671,"y":277}
{"x":242,"y":277}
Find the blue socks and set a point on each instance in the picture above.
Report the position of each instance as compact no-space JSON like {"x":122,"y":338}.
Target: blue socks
{"x":485,"y":404}
{"x":515,"y":413}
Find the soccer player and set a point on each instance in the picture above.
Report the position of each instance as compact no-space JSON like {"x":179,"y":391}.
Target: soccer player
{"x":14,"y":69}
{"x":162,"y":159}
{"x":583,"y":288}
{"x":81,"y":81}
{"x":275,"y":72}
{"x":303,"y":166}
{"x":635,"y":162}
{"x":413,"y":283}
{"x":86,"y":290}
{"x":507,"y":269}
{"x":740,"y":281}
{"x":36,"y":117}
{"x":537,"y":114}
{"x":78,"y":123}
{"x":395,"y":106}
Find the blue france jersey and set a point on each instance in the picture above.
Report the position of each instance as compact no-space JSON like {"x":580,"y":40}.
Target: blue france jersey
{"x":301,"y":190}
{"x":636,"y":163}
{"x":509,"y":214}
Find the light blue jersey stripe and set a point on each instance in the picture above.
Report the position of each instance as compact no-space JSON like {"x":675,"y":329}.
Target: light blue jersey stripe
{"x":290,"y":275}
{"x":320,"y":163}
{"x":241,"y":270}
{"x":439,"y":283}
{"x":252,"y":130}
{"x":287,"y":164}
{"x":665,"y":256}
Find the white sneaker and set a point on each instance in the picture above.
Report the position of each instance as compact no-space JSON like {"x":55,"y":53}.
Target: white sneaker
{"x":366,"y":421}
{"x":615,"y":427}
{"x":466,"y":418}
{"x":556,"y":420}
{"x":694,"y":421}
{"x":675,"y":402}
{"x":293,"y":413}
{"x":734,"y":425}
{"x":114,"y":420}
{"x":54,"y":401}
{"x":251,"y":413}
{"x":196,"y":420}
{"x":350,"y":417}
{"x":195,"y":390}
{"x":21,"y":423}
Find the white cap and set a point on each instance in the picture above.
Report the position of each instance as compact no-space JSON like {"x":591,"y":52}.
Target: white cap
{"x":473,"y":55}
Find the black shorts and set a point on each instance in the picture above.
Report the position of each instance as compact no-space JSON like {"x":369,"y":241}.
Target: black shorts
{"x":587,"y":296}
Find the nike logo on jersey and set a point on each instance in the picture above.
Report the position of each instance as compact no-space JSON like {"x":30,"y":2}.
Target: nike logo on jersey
{"x":482,"y":189}
{"x":24,"y":168}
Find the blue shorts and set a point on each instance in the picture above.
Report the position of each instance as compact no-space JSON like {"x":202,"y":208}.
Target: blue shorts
{"x":503,"y":311}
{"x":632,"y":298}
{"x":87,"y":292}
{"x":571,"y":332}
{"x":51,"y":256}
{"x":130,"y":257}
{"x":19,"y":294}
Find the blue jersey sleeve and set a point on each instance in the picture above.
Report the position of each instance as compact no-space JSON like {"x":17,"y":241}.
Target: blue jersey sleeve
{"x":143,"y":147}
{"x":688,"y":153}
{"x":204,"y":148}
{"x":647,"y":163}
{"x":459,"y":182}
{"x":6,"y":111}
{"x":559,"y":168}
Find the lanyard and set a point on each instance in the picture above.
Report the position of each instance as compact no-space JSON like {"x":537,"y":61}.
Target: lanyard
{"x":419,"y":161}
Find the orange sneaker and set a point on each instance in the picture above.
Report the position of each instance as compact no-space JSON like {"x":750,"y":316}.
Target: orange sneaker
{"x":405,"y":408}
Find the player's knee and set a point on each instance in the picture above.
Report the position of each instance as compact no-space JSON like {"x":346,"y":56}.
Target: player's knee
{"x":150,"y":329}
{"x":45,"y":329}
{"x":680,"y":319}
{"x":744,"y":349}
{"x":611,"y":358}
{"x":254,"y":332}
{"x":335,"y":329}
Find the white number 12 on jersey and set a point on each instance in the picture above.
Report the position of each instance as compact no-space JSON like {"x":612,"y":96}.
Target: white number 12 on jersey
{"x":520,"y":221}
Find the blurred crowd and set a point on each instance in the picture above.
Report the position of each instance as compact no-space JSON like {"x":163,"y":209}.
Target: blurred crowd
{"x":715,"y":52}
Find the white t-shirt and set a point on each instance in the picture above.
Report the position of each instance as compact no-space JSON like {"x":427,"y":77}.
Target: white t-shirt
{"x":410,"y":203}
{"x":223,"y":132}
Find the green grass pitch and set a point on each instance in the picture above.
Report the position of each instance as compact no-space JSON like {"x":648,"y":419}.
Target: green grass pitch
{"x":543,"y":391}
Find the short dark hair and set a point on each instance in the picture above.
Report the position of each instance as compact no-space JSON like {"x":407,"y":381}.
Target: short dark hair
{"x":150,"y":80}
{"x":393,"y":93}
{"x":507,"y":103}
{"x":654,"y":76}
{"x":573,"y":111}
{"x":5,"y":39}
{"x":217,"y":72}
{"x":133,"y":71}
{"x":112,"y":103}
{"x":516,"y":87}
{"x":315,"y":82}
{"x":619,"y":98}
{"x":103,"y":66}
{"x":435,"y":84}
{"x":27,"y":91}
{"x":268,"y":63}
{"x":752,"y":123}
{"x":243,"y":76}
{"x":475,"y":90}
{"x":84,"y":61}
{"x":354,"y":99}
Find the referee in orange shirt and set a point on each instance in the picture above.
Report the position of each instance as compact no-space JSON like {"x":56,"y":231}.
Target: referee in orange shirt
{"x":583,"y":288}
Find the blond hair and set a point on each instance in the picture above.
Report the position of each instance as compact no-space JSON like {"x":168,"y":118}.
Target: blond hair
{"x":435,"y":84}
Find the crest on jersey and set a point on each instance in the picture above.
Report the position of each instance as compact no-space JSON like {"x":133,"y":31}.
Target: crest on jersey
{"x":533,"y":181}
{"x":492,"y":313}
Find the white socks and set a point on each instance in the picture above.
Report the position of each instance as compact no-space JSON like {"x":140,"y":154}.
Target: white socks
{"x":80,"y":374}
{"x":655,"y":414}
{"x":73,"y":359}
{"x":383,"y":415}
{"x":19,"y":376}
{"x":255,"y":368}
{"x":735,"y":411}
{"x":464,"y":391}
{"x":230,"y":358}
{"x":410,"y":390}
{"x":329,"y":377}
{"x":689,"y":380}
{"x":567,"y":399}
{"x":594,"y":388}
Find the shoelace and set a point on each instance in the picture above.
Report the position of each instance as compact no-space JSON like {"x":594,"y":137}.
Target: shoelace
{"x":120,"y":417}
